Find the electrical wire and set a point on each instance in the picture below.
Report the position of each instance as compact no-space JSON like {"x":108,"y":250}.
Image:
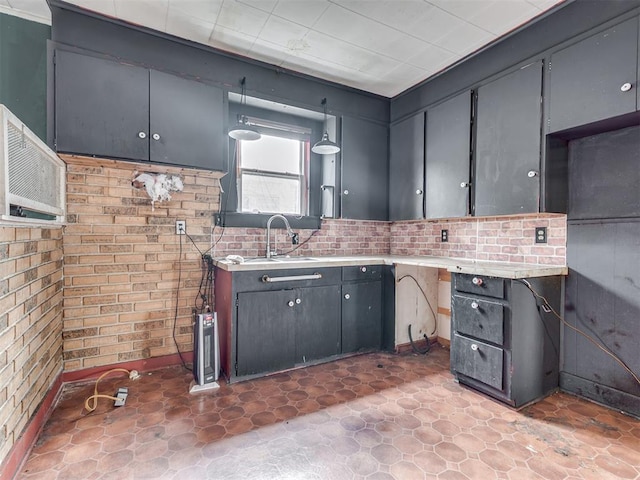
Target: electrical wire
{"x":175,"y":315}
{"x":435,"y":317}
{"x":133,"y":375}
{"x":301,"y":243}
{"x":603,"y":347}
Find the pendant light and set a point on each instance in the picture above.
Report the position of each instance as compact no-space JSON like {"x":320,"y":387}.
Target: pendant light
{"x":325,"y":146}
{"x":242,"y":130}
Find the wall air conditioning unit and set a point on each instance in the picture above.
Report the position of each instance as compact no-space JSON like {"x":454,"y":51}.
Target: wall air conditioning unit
{"x":33,"y":178}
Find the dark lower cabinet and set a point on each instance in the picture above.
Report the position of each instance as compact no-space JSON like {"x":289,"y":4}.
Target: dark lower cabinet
{"x":317,"y":323}
{"x":503,"y":343}
{"x":361,"y":316}
{"x":116,"y":110}
{"x":273,"y":320}
{"x":266,"y":332}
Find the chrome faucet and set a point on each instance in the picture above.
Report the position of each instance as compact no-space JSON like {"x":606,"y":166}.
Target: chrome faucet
{"x":289,"y":231}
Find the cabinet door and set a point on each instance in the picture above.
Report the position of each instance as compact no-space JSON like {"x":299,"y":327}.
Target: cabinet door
{"x":508,"y":143}
{"x":447,"y":158}
{"x":361,"y":316}
{"x":100,"y":107}
{"x":364,"y":170}
{"x":266,"y":332}
{"x":406,"y":169}
{"x":586,"y":78}
{"x":317,"y":323}
{"x":186,"y":122}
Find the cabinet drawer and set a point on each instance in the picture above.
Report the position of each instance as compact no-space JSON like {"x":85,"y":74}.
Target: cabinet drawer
{"x":478,"y":318}
{"x":479,"y":284}
{"x":478,"y":360}
{"x":362,"y":272}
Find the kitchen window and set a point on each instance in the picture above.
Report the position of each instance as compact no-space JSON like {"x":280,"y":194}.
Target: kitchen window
{"x":276,"y":174}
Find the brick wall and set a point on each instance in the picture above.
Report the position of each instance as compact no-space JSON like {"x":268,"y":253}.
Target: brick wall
{"x":335,"y":237}
{"x":122,"y":262}
{"x":505,"y":239}
{"x":30,"y":324}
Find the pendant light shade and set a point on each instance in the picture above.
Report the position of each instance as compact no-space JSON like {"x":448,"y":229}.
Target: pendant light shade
{"x":242,"y":130}
{"x":325,"y":146}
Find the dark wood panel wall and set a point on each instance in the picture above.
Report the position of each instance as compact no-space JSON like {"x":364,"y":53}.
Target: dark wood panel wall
{"x":23,"y":70}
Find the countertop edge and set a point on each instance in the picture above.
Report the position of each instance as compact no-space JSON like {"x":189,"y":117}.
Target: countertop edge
{"x":453,"y":265}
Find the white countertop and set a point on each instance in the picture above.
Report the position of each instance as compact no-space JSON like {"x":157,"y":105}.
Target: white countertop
{"x":454,"y":265}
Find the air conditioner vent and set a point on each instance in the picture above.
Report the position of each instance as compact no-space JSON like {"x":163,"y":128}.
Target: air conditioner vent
{"x":33,"y":175}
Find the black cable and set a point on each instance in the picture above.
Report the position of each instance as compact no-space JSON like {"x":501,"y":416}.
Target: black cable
{"x":413,"y":345}
{"x":604,"y":347}
{"x":435,"y":317}
{"x":175,"y":316}
{"x":301,"y":243}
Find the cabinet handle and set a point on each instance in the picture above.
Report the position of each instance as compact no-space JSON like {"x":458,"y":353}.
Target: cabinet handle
{"x":625,"y":87}
{"x":290,"y":303}
{"x":418,"y":192}
{"x":346,"y":192}
{"x":347,"y":296}
{"x":142,"y":135}
{"x":477,"y":281}
{"x":298,"y":301}
{"x":156,"y":136}
{"x":464,"y":184}
{"x":474,"y":305}
{"x":474,"y":347}
{"x":292,"y":278}
{"x":363,"y":269}
{"x":532,"y":174}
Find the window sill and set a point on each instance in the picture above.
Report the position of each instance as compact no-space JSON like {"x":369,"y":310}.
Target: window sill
{"x":259,"y":220}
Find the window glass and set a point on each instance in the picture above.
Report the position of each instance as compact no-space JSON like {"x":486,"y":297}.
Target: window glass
{"x":270,"y":153}
{"x":262,"y":193}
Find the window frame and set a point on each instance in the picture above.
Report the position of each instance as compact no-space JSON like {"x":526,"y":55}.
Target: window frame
{"x":229,"y":215}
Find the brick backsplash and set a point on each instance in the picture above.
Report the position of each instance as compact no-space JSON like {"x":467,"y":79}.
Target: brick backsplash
{"x":30,"y":324}
{"x":123,"y":260}
{"x":505,"y":239}
{"x":335,"y":237}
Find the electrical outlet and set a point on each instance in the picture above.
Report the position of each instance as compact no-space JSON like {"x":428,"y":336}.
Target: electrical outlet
{"x":181,"y":227}
{"x":541,"y":234}
{"x":444,"y":235}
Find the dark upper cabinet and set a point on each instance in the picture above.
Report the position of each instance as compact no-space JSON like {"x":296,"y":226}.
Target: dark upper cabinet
{"x":447,"y":158}
{"x":507,"y":162}
{"x":595,"y":79}
{"x":100,"y":107}
{"x":406,"y":169}
{"x":114,"y":110}
{"x":364,"y":170}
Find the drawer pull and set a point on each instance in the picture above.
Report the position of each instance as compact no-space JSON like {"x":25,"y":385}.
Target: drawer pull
{"x":474,"y":347}
{"x":474,"y":305}
{"x":477,"y":281}
{"x":268,"y":279}
{"x":290,"y":303}
{"x":363,"y":269}
{"x":347,"y":296}
{"x":625,"y":87}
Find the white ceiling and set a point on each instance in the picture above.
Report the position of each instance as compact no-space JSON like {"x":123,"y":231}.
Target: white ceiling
{"x":380,"y":46}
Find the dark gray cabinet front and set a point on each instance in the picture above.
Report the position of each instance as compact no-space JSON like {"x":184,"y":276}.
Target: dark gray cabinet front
{"x":101,"y":107}
{"x":317,"y":324}
{"x":361,"y":316}
{"x":595,"y":79}
{"x":364,"y":167}
{"x":447,"y":158}
{"x":114,"y":110}
{"x":508,"y":123}
{"x":266,"y":332}
{"x":406,"y":169}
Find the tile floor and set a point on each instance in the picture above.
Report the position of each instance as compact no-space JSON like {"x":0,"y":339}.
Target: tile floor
{"x":374,"y":416}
